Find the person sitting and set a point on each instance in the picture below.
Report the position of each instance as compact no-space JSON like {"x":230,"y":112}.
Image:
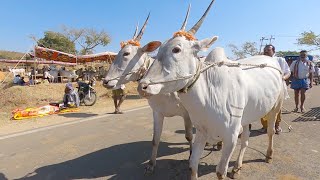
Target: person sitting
{"x":71,"y":97}
{"x":16,"y":79}
{"x":22,"y":82}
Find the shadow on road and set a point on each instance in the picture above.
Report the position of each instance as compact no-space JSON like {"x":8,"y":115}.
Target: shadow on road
{"x":182,"y":131}
{"x":124,"y":161}
{"x":133,"y":96}
{"x":77,"y":115}
{"x":3,"y":177}
{"x":314,"y":112}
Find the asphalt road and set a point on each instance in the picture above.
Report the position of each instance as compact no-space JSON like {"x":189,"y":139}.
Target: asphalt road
{"x":118,"y":147}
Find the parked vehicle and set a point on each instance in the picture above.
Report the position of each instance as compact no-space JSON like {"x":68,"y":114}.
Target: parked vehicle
{"x":87,"y":93}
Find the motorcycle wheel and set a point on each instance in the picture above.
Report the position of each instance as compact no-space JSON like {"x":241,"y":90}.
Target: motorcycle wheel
{"x":90,"y":100}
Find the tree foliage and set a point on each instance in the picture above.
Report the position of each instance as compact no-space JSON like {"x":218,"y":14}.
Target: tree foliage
{"x":287,"y":53}
{"x":87,"y":38}
{"x":57,"y":41}
{"x":246,"y":49}
{"x":309,"y":39}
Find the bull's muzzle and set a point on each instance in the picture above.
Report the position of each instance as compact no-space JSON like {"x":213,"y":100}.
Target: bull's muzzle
{"x":142,"y":90}
{"x":106,"y":84}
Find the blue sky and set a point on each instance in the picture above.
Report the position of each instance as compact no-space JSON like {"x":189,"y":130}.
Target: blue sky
{"x":234,"y":21}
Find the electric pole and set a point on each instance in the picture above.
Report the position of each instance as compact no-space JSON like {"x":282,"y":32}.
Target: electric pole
{"x":261,"y":43}
{"x":265,"y":39}
{"x":271,"y":38}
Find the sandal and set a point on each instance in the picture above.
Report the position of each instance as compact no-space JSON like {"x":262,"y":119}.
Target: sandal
{"x":295,"y":110}
{"x":303,"y":111}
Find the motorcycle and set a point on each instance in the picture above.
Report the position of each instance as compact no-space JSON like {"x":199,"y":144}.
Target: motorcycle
{"x":87,"y":94}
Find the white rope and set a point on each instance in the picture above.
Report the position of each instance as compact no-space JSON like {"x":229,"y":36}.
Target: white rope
{"x":219,"y":64}
{"x":209,"y":65}
{"x":146,"y":62}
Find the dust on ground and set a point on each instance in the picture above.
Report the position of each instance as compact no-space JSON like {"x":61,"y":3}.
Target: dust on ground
{"x":13,"y":97}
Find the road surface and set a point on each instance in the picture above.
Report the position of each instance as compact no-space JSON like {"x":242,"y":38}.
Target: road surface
{"x":119,"y":146}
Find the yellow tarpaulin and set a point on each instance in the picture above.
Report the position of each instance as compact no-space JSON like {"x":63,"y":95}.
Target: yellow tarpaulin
{"x":20,"y":114}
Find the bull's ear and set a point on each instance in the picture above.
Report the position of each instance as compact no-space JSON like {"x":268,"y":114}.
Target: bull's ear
{"x":151,"y":46}
{"x":205,"y":44}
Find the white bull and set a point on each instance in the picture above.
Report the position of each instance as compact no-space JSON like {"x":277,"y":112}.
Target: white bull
{"x":130,"y":65}
{"x":54,"y":74}
{"x":68,"y":74}
{"x":222,"y":99}
{"x":17,"y":71}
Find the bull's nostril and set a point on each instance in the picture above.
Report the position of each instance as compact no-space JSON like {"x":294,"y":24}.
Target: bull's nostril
{"x":144,"y":86}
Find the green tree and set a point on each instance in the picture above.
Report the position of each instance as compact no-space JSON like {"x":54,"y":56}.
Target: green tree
{"x":287,"y":53}
{"x":309,"y":39}
{"x":57,"y":41}
{"x":87,"y":38}
{"x":246,"y":49}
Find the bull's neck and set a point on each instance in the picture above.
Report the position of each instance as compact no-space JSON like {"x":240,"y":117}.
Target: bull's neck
{"x":202,"y":89}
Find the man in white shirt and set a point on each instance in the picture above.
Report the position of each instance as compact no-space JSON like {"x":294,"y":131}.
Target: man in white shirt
{"x":302,"y":70}
{"x":269,"y":50}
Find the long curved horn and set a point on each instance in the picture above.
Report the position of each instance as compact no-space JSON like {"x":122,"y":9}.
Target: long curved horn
{"x":138,"y":38}
{"x":183,"y":27}
{"x":135,"y":33}
{"x":195,"y":28}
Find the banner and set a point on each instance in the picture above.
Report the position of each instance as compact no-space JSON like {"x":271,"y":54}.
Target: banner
{"x":50,"y":54}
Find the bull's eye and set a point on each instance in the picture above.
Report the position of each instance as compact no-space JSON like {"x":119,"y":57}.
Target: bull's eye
{"x":176,"y":50}
{"x":126,"y":54}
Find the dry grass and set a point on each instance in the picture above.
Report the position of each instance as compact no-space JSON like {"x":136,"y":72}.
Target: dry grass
{"x":2,"y":76}
{"x":13,"y":97}
{"x":10,"y":55}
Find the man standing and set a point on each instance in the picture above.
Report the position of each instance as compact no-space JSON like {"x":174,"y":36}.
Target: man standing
{"x":303,"y":70}
{"x":118,"y":96}
{"x":269,"y":50}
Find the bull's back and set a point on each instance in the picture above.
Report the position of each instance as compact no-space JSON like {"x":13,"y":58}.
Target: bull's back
{"x":263,"y":85}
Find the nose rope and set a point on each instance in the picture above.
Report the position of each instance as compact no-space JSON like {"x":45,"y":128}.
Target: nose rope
{"x":146,"y":62}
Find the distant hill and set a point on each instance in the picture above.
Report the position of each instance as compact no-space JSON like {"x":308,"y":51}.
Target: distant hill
{"x":10,"y":55}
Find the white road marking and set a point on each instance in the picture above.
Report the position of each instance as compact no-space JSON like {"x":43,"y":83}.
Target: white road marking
{"x":66,"y":124}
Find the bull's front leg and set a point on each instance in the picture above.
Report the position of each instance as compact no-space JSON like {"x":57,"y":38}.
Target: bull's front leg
{"x":229,"y":144}
{"x":244,"y":144}
{"x":189,"y":131}
{"x":157,"y":130}
{"x":197,"y":150}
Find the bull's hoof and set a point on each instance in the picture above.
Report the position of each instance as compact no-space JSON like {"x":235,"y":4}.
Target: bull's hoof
{"x":268,"y":159}
{"x":219,"y":146}
{"x":149,"y":169}
{"x":235,"y":173}
{"x":219,"y":175}
{"x":192,"y":175}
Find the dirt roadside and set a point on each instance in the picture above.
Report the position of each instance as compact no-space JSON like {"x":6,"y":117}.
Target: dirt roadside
{"x":13,"y":97}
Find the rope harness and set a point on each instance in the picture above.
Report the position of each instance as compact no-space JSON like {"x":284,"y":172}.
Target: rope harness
{"x":146,"y":64}
{"x":196,"y":75}
{"x":208,"y":65}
